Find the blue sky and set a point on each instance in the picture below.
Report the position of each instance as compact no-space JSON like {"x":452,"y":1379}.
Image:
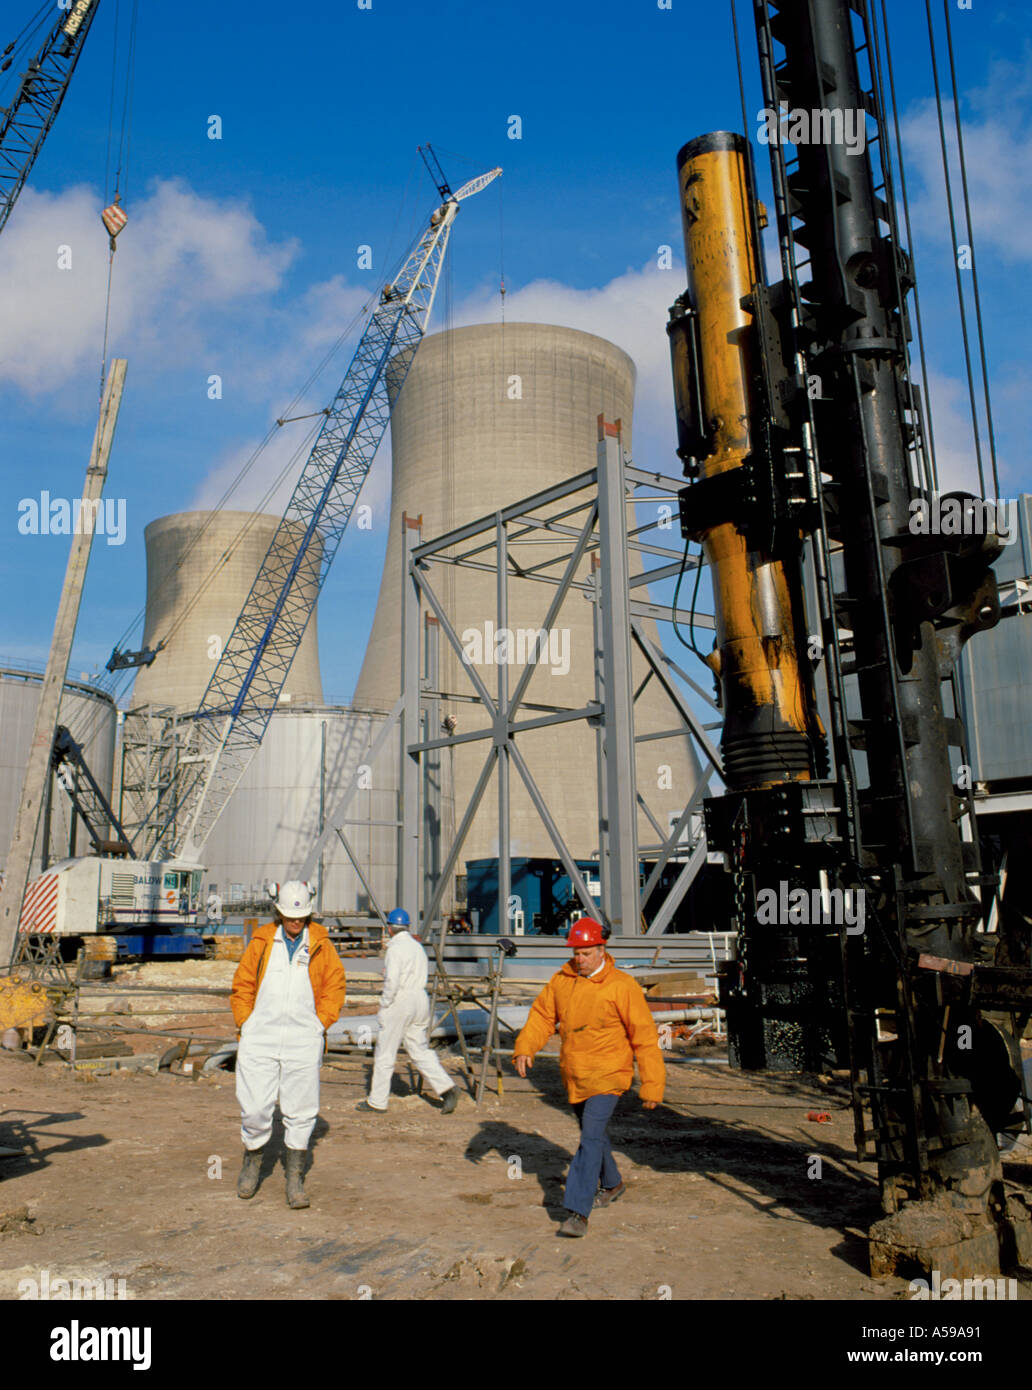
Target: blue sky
{"x":240,"y":254}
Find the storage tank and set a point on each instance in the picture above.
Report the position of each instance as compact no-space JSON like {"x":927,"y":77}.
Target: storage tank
{"x":995,"y":675}
{"x":289,"y":791}
{"x":91,"y":717}
{"x":488,"y":415}
{"x":200,"y":568}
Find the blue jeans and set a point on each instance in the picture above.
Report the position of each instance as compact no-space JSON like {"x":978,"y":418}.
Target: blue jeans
{"x":593,"y":1162}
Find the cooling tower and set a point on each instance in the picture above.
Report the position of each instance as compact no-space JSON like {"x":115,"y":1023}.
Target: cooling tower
{"x":489,"y":415}
{"x":200,"y":568}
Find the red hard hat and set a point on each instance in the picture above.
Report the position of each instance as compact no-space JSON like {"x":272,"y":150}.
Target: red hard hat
{"x":585,"y":932}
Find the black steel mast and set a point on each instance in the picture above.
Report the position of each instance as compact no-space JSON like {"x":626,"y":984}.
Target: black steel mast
{"x":915,"y":1001}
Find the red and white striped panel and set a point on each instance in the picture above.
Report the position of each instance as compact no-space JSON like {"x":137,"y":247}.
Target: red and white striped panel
{"x":39,"y":910}
{"x":114,"y":219}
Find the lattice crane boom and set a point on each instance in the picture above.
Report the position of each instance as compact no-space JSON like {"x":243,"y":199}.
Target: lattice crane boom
{"x":25,"y":123}
{"x":246,"y":684}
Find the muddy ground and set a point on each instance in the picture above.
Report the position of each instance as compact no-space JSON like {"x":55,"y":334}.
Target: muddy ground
{"x":132,"y":1176}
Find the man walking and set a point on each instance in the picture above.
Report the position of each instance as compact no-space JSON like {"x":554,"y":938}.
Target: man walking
{"x":287,"y":990}
{"x":605,"y":1026}
{"x":404,"y":1018}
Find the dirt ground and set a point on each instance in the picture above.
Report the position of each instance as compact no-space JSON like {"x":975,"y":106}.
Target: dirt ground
{"x":132,"y":1176}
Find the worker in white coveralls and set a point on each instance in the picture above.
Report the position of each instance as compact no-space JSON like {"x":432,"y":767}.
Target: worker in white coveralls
{"x":287,"y":990}
{"x":404,"y":1018}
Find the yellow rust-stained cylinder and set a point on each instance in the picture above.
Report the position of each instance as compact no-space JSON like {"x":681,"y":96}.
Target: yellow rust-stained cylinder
{"x":770,"y":720}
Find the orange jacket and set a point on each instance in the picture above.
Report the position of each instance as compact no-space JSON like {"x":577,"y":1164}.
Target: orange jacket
{"x":324,"y":970}
{"x":604,"y":1024}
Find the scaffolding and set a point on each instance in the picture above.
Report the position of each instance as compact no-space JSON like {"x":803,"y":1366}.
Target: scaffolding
{"x":585,"y":518}
{"x":153,"y":739}
{"x":587,"y":515}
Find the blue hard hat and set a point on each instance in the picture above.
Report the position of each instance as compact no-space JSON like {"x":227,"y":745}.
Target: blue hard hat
{"x":398,"y":917}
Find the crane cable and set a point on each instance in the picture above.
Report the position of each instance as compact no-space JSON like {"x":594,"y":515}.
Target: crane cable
{"x":927,"y":426}
{"x":284,"y":418}
{"x":119,"y":681}
{"x":124,"y":148}
{"x":122,"y":679}
{"x":246,"y":468}
{"x":975,"y":425}
{"x":25,"y":37}
{"x":971,"y":246}
{"x":501,"y":259}
{"x":91,"y":726}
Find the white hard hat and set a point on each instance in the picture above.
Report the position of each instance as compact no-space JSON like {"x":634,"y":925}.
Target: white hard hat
{"x":293,"y":899}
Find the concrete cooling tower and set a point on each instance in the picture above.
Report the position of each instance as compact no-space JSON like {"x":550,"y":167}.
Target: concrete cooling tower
{"x":200,"y":568}
{"x":461,"y":448}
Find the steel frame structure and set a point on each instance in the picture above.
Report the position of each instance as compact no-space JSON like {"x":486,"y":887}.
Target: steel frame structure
{"x":587,"y":515}
{"x":151,"y":741}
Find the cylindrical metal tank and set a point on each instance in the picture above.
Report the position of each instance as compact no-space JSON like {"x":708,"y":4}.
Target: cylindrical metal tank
{"x":289,"y":791}
{"x":89,"y":715}
{"x":200,"y":568}
{"x":488,"y":415}
{"x":995,"y":670}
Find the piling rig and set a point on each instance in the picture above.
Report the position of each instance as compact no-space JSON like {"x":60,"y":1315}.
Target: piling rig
{"x":860,"y":903}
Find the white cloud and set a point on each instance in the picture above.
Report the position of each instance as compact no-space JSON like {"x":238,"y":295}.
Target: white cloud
{"x":954,"y":439}
{"x":180,"y":256}
{"x":270,"y":480}
{"x":631,"y":311}
{"x":998,"y":161}
{"x":312,"y":342}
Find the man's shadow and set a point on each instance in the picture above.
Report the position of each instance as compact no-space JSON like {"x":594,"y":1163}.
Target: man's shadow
{"x":532,"y":1156}
{"x":738,"y":1154}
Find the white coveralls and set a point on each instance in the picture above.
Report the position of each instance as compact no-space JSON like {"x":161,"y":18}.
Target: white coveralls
{"x":280,"y":1051}
{"x":403,"y":1017}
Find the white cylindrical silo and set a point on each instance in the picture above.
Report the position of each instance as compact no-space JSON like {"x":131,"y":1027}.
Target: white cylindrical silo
{"x":200,"y":568}
{"x":91,"y":718}
{"x":487,"y":416}
{"x":291,"y":788}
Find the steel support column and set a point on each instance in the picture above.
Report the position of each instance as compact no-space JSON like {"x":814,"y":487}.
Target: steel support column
{"x":502,"y":731}
{"x":410,"y":730}
{"x":621,"y":849}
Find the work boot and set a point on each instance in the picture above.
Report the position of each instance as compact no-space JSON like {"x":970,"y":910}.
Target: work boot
{"x":294,"y":1163}
{"x":574,"y":1225}
{"x":449,"y":1100}
{"x":605,"y":1196}
{"x":247,"y":1182}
